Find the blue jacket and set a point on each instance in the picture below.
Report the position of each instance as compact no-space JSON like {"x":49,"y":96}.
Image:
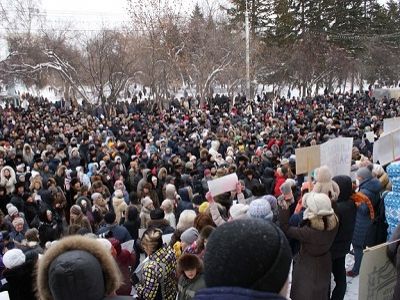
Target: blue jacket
{"x":371,"y":189}
{"x":118,"y":232}
{"x":229,"y":293}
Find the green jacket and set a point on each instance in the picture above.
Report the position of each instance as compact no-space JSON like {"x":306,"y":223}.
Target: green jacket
{"x":187,"y":288}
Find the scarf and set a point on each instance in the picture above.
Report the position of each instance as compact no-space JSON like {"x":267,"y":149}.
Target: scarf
{"x":360,"y":198}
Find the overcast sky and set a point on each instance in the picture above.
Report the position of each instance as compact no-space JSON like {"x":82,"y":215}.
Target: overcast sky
{"x":88,"y":13}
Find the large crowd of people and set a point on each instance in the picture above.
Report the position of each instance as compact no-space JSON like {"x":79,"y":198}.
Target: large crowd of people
{"x":112,"y":201}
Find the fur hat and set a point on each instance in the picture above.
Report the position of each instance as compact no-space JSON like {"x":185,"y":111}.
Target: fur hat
{"x":263,"y":268}
{"x":317,"y":205}
{"x":189,"y":262}
{"x":238,"y":211}
{"x":13,"y":258}
{"x":186,"y":220}
{"x":189,"y":236}
{"x":78,"y":257}
{"x":260,"y":209}
{"x":325,"y":184}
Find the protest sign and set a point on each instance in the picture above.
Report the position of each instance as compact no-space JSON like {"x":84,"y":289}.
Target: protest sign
{"x":222,"y":185}
{"x":387,"y":148}
{"x":370,"y":136}
{"x":377,"y":275}
{"x":336,"y":154}
{"x":390,"y":125}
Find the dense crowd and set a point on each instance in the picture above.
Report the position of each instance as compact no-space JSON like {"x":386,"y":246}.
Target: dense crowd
{"x":122,"y":191}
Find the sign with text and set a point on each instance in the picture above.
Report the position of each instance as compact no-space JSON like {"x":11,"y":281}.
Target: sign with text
{"x":336,"y":154}
{"x":378,"y":276}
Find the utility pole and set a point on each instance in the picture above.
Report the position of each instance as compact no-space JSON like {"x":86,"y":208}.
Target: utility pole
{"x":248,"y":87}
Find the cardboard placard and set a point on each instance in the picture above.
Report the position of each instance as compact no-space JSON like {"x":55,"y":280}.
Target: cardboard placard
{"x":336,"y":154}
{"x":222,"y":185}
{"x":370,"y":136}
{"x":378,"y":276}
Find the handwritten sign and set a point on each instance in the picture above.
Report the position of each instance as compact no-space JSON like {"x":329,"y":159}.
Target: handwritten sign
{"x":336,"y":154}
{"x":377,"y":275}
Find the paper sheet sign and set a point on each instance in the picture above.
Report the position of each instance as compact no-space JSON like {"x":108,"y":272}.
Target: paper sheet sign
{"x":222,"y":185}
{"x":391,"y":124}
{"x":387,"y":148}
{"x":377,"y":275}
{"x":336,"y":154}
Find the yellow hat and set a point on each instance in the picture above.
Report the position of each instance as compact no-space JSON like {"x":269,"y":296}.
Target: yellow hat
{"x":203,"y":207}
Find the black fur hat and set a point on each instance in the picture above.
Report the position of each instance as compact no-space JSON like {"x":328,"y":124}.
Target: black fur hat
{"x":189,"y":262}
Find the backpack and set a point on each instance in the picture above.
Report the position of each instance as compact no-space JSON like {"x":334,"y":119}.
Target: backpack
{"x":377,"y":232}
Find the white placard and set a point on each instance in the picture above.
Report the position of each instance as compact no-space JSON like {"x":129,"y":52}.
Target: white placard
{"x":166,"y":238}
{"x":370,"y":136}
{"x":4,"y":296}
{"x":336,"y":154}
{"x":390,"y":125}
{"x":128,"y":245}
{"x":222,"y":185}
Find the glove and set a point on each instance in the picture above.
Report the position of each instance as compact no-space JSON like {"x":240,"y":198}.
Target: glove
{"x":134,"y":279}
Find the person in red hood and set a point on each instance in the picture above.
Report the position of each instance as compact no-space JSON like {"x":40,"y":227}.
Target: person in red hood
{"x":280,"y":178}
{"x":125,"y":261}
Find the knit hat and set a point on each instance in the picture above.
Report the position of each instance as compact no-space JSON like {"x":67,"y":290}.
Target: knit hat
{"x":325,"y":184}
{"x":238,"y":211}
{"x":11,"y":209}
{"x":260,"y":209}
{"x":13,"y":258}
{"x":95,"y":196}
{"x":146,"y":201}
{"x":317,"y":205}
{"x":272,"y":201}
{"x":262,"y":268}
{"x":75,"y":210}
{"x":365,"y":173}
{"x":189,"y":236}
{"x":157,"y":214}
{"x":203,"y":207}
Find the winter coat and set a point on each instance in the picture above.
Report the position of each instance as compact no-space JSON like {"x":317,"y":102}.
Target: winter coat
{"x":346,"y":211}
{"x":187,"y":288}
{"x":70,"y":256}
{"x":268,"y":181}
{"x":20,"y":282}
{"x":393,"y":252}
{"x":279,"y":180}
{"x":118,"y":232}
{"x":150,"y":288}
{"x":313,"y":265}
{"x":237,"y":293}
{"x":371,"y":189}
{"x":119,"y":207}
{"x":170,"y":217}
{"x":8,"y":183}
{"x":184,"y":203}
{"x":132,"y":223}
{"x":80,"y":222}
{"x":145,"y":217}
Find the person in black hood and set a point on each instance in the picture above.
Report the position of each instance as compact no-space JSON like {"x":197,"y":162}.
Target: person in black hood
{"x":268,"y":180}
{"x":132,"y":221}
{"x":346,"y":211}
{"x":78,"y":268}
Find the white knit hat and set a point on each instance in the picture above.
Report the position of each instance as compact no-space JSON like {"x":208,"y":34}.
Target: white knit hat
{"x":317,"y":205}
{"x":238,"y":211}
{"x":13,"y":258}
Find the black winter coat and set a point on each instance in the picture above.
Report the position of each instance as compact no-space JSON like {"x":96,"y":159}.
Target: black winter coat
{"x":346,"y":211}
{"x":20,"y":281}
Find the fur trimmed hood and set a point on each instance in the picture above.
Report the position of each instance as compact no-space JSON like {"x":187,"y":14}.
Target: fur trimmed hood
{"x":60,"y":252}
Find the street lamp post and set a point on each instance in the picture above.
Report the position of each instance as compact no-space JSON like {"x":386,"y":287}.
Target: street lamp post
{"x":248,"y":91}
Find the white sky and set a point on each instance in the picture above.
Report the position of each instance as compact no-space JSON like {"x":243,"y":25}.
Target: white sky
{"x":86,"y":14}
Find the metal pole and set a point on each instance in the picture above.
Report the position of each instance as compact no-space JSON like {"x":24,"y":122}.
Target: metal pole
{"x":248,"y":91}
